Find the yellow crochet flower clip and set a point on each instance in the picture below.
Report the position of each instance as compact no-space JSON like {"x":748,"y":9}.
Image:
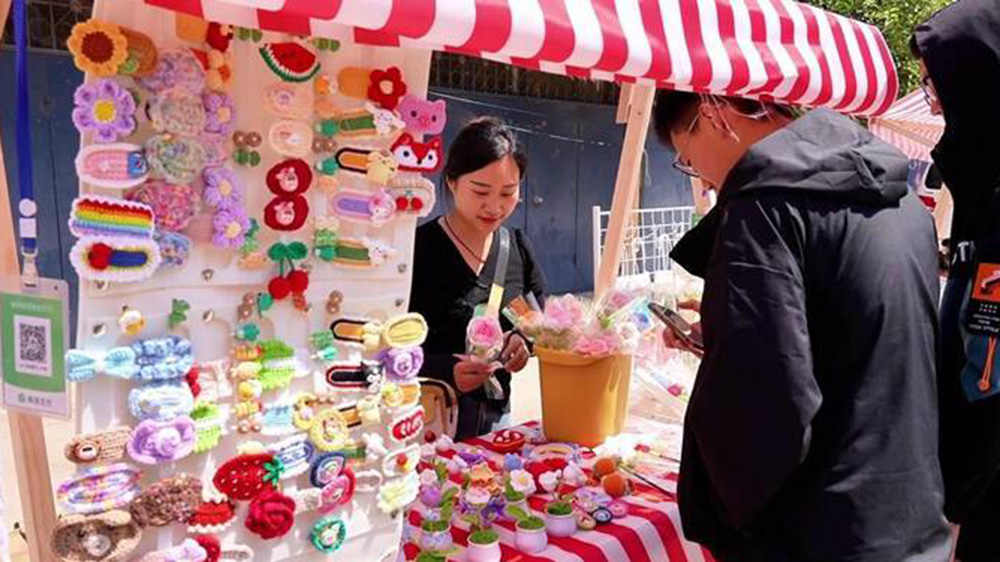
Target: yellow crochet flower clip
{"x":98,"y":47}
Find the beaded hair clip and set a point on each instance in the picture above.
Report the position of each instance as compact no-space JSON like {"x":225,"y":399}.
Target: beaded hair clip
{"x":172,"y":500}
{"x":173,"y":206}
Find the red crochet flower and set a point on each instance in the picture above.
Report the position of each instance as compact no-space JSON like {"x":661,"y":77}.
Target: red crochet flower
{"x":271,"y":515}
{"x":387,"y":87}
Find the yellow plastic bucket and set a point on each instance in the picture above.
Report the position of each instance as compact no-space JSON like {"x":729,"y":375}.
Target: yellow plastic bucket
{"x":584,"y":399}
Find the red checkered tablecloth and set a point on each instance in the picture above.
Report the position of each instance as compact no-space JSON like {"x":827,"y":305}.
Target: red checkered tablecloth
{"x":650,"y":533}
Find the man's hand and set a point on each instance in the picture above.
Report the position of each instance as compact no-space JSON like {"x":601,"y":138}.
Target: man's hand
{"x":671,"y":340}
{"x":515,"y":354}
{"x":470,"y":375}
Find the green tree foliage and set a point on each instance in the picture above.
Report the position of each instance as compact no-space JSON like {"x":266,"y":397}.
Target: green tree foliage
{"x":896,"y":19}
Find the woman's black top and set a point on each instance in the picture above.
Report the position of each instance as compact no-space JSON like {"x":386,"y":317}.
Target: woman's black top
{"x":446,"y":292}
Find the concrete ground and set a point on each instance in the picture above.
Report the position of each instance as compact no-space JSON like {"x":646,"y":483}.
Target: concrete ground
{"x":526,"y":407}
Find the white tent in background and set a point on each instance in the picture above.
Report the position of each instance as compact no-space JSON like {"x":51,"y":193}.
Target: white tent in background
{"x":910,"y":126}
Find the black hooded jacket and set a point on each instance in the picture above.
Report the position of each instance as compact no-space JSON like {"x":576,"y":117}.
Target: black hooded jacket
{"x":961,"y":47}
{"x":811,"y":433}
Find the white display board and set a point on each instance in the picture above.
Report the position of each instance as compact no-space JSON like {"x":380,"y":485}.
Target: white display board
{"x":213,"y":284}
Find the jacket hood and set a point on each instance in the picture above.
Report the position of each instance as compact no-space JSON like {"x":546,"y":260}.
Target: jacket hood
{"x":824,"y":152}
{"x":960,"y":46}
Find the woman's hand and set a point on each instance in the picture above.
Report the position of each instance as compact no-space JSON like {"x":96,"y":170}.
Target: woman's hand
{"x":470,"y":375}
{"x":515,"y":354}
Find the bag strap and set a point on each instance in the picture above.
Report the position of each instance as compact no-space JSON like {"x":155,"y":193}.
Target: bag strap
{"x":499,"y":273}
{"x":492,"y":386}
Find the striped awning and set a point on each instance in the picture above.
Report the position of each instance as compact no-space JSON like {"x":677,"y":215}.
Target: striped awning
{"x":910,"y":126}
{"x":769,"y":49}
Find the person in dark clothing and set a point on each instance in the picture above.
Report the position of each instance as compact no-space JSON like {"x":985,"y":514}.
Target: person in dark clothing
{"x":959,"y":51}
{"x":811,"y":432}
{"x":456,"y":257}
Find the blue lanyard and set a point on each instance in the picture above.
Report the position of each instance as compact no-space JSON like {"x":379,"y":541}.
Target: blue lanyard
{"x":26,"y":206}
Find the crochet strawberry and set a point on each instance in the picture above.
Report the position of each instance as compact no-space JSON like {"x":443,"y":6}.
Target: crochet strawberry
{"x":245,"y":477}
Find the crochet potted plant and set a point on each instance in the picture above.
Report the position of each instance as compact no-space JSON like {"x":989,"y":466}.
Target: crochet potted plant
{"x":518,"y":486}
{"x":484,"y":546}
{"x":436,"y":533}
{"x":530,"y":537}
{"x":559,"y":519}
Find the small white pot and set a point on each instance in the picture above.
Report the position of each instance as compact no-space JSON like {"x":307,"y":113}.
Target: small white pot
{"x":531,"y":540}
{"x":483,"y":552}
{"x":560,"y":525}
{"x":438,"y":540}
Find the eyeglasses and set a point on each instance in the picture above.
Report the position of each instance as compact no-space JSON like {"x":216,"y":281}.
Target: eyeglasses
{"x":680,"y":165}
{"x":930,"y":96}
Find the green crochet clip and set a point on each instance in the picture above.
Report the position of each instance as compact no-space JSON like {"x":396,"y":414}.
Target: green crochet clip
{"x":248,"y":332}
{"x":178,"y":312}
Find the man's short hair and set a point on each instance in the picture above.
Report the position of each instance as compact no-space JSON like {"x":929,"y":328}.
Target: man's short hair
{"x":674,"y":111}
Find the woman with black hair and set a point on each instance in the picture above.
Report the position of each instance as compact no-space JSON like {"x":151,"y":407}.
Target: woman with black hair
{"x":460,"y":255}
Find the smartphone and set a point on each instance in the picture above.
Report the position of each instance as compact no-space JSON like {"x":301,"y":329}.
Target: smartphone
{"x":678,"y":325}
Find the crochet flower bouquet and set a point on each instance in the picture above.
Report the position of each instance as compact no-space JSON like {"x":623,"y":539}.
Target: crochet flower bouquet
{"x":592,"y":329}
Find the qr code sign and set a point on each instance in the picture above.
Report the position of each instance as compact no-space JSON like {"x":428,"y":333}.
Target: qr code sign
{"x":32,"y":337}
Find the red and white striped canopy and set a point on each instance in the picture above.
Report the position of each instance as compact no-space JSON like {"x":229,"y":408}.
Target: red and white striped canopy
{"x":771,"y":49}
{"x":910,"y":126}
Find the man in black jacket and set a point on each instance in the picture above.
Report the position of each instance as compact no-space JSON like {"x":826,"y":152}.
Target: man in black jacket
{"x":811,"y":433}
{"x":959,"y":48}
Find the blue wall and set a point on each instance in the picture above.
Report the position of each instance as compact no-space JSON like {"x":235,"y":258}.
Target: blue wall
{"x":572,"y":147}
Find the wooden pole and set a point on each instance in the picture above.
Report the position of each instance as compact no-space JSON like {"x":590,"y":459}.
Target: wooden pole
{"x":34,"y":481}
{"x":626,"y":185}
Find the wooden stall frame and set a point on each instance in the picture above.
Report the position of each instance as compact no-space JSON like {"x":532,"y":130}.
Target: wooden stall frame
{"x":635,"y":105}
{"x":34,"y":480}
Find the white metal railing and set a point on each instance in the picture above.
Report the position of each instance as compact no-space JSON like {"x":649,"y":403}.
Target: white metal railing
{"x":649,"y":238}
